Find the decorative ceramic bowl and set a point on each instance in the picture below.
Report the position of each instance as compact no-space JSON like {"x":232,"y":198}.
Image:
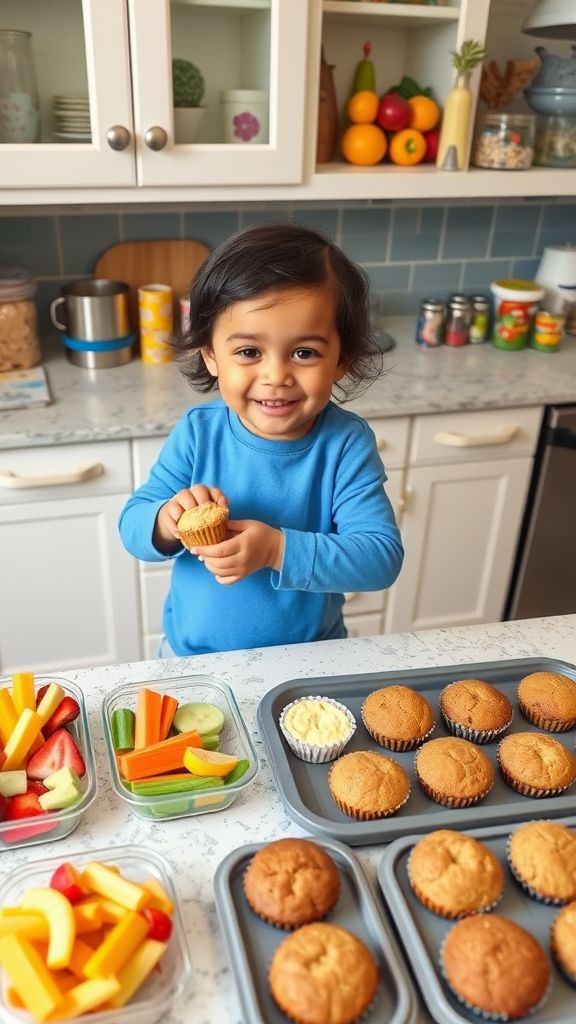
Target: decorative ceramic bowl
{"x":560,"y":100}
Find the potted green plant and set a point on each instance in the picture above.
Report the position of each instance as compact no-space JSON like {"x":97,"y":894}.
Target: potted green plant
{"x":188,"y":92}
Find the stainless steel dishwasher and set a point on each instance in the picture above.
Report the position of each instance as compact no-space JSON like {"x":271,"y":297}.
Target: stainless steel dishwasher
{"x":544,"y":576}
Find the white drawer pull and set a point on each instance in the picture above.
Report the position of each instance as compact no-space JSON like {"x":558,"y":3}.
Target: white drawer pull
{"x":88,"y":471}
{"x":455,"y":440}
{"x":381,"y":444}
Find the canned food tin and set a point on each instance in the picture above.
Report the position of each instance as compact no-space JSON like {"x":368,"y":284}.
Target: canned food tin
{"x":431,"y":321}
{"x":480,"y":323}
{"x":458,"y":319}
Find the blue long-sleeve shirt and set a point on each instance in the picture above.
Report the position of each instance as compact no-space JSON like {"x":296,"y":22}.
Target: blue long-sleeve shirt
{"x":324,"y":490}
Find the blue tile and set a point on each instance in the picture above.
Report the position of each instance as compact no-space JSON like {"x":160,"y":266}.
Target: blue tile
{"x":84,"y":239}
{"x":150,"y":227}
{"x":525,"y":269}
{"x":262,"y":215}
{"x":365,"y":234}
{"x":388,"y":278}
{"x":29,"y":242}
{"x":432,"y":218}
{"x":467,"y":231}
{"x":324,"y":220}
{"x":558,"y":225}
{"x":400,"y":303}
{"x":405,"y":219}
{"x":511,"y":218}
{"x":437,"y":278}
{"x":211,"y":227}
{"x":480,"y":274}
{"x":513,"y":243}
{"x":413,"y":248}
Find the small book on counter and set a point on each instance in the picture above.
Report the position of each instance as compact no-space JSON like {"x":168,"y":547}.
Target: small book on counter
{"x":24,"y":389}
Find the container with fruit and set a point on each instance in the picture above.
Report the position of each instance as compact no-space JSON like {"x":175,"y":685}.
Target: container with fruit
{"x":47,"y":771}
{"x":177,"y":748}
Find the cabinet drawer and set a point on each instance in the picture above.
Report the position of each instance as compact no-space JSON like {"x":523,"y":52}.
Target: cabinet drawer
{"x":154,"y":587}
{"x":392,"y":440}
{"x":145,"y":451}
{"x":364,"y":625}
{"x":64,"y":471}
{"x":468,"y":436}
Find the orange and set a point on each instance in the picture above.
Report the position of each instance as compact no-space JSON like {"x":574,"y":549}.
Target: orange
{"x":425,"y":113}
{"x":363,"y":107}
{"x":407,"y":147}
{"x":208,"y":762}
{"x":363,"y":144}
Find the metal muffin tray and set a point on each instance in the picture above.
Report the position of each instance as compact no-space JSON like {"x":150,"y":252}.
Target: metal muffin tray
{"x":422,"y":932}
{"x":251,"y":942}
{"x":303,"y":787}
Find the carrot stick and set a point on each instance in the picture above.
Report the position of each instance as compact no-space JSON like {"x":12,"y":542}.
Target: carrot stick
{"x":169,"y":705}
{"x":147,"y":725}
{"x":157,"y":758}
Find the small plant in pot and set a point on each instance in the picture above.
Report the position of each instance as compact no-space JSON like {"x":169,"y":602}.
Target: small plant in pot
{"x":188,"y":90}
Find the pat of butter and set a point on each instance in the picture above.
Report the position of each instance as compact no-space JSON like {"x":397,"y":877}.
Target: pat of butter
{"x":316,"y":722}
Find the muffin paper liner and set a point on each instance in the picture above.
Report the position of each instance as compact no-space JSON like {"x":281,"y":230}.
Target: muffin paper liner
{"x":524,"y":788}
{"x":450,"y":801}
{"x":314,"y":753}
{"x":366,"y":815}
{"x":566,"y":974}
{"x":206,"y":535}
{"x":400,"y":746}
{"x":550,"y":901}
{"x":436,"y":909}
{"x":474,"y":735}
{"x":549,"y":724}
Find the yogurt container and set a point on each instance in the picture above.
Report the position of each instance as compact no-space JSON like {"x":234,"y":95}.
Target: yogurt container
{"x":515,"y":305}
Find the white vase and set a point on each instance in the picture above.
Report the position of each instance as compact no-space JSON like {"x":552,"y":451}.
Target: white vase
{"x":245,"y":115}
{"x":187,"y":123}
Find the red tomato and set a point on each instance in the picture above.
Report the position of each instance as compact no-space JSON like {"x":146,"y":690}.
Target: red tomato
{"x":432,"y":139}
{"x":394,"y":112}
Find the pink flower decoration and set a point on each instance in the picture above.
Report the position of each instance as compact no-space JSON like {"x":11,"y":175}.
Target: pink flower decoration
{"x":246,"y":126}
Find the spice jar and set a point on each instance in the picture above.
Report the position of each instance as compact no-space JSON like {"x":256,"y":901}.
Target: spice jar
{"x":19,"y":343}
{"x":515,"y":305}
{"x":431,"y":323}
{"x":504,"y":141}
{"x":555,"y":144}
{"x":458,"y":320}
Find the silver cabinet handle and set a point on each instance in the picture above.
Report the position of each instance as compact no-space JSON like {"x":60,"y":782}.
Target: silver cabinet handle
{"x":454,"y":440}
{"x":88,"y":471}
{"x":118,"y":137}
{"x":155,"y":138}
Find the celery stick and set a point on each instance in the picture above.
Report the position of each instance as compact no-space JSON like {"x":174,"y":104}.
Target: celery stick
{"x":122,"y":728}
{"x":143,"y":788}
{"x":237,"y":772}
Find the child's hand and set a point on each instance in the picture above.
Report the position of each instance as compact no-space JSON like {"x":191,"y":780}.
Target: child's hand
{"x":255,"y":546}
{"x":166,"y":537}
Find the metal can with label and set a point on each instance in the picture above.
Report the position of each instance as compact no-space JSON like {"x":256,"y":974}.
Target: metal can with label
{"x":458,"y":319}
{"x":480,"y":323}
{"x":431,"y":321}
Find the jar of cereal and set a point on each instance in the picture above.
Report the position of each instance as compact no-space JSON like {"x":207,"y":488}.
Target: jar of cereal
{"x":504,"y":141}
{"x":19,"y":343}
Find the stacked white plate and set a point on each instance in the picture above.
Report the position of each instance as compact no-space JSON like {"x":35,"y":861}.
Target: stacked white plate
{"x":71,"y":118}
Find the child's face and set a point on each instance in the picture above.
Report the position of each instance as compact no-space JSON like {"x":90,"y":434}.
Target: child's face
{"x":276,"y":357}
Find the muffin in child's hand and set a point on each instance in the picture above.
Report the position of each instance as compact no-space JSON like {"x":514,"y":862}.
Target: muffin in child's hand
{"x":203,"y":524}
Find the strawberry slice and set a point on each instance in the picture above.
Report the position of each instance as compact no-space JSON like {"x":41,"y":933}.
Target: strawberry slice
{"x":160,"y":924}
{"x":59,"y":751}
{"x":66,"y":879}
{"x":3,"y":806}
{"x":25,"y":805}
{"x":66,"y":712}
{"x":36,"y":787}
{"x":40,"y":693}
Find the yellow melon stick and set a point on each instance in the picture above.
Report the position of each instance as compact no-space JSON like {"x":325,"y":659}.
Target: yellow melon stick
{"x":105,"y":881}
{"x":15,"y":921}
{"x":118,"y":946}
{"x":8,"y":716}
{"x":159,"y":898}
{"x":88,"y":916}
{"x":30,"y":976}
{"x":111,"y":912}
{"x":50,"y":701}
{"x":23,"y":693}
{"x":22,"y":737}
{"x":85,"y":997}
{"x":81,"y":953}
{"x":135,"y":972}
{"x":61,"y":922}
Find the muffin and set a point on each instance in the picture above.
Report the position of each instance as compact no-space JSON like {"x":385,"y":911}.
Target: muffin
{"x":291,"y":882}
{"x":454,"y":772}
{"x":495,"y":967}
{"x":203,"y":524}
{"x":317,"y":728}
{"x":454,"y":875}
{"x":368,"y":785}
{"x":397,"y":717}
{"x":475,"y":710}
{"x":322,"y":974}
{"x":563,"y":941}
{"x":542,"y":858}
{"x":536,"y":765}
{"x":548,"y":700}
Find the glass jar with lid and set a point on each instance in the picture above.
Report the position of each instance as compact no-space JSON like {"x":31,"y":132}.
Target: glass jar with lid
{"x":555,"y":144}
{"x":19,"y":103}
{"x":504,"y":142}
{"x":19,"y":342}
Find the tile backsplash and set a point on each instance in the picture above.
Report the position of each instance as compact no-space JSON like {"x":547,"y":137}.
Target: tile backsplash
{"x":410,"y":250}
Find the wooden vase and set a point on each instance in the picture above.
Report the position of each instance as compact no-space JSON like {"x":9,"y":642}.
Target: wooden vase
{"x":327,"y":137}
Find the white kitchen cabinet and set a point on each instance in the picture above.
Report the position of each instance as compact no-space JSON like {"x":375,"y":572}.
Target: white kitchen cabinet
{"x":68,"y":591}
{"x":464,"y":496}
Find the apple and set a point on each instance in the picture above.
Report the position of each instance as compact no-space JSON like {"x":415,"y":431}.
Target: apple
{"x":432,"y":139}
{"x":66,"y":880}
{"x":3,"y":806}
{"x":394,"y":112}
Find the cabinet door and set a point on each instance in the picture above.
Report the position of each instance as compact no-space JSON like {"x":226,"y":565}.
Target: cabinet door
{"x":69,"y":589}
{"x":242,"y":46}
{"x":459,"y":528}
{"x":81,"y":57}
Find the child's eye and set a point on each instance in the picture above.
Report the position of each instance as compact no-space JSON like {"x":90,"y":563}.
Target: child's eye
{"x":247,"y":353}
{"x":304,"y":354}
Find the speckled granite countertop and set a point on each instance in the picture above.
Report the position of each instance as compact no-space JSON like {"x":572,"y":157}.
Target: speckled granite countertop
{"x":146,"y":401}
{"x":195,"y":846}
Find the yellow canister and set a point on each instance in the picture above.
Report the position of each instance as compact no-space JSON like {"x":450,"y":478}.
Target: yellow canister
{"x":156,"y":316}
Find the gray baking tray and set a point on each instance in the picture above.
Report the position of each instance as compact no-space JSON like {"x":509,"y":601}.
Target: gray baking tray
{"x":250,"y":942}
{"x":303,"y":787}
{"x":422,"y":932}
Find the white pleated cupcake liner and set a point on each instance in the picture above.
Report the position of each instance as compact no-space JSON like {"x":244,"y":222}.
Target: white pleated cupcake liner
{"x":314,"y":753}
{"x":429,"y":905}
{"x":549,"y":901}
{"x":397,"y":745}
{"x":365,"y":815}
{"x":566,"y":974}
{"x":479,"y":736}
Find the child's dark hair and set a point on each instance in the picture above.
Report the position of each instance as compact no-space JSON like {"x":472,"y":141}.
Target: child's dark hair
{"x":278,"y":256}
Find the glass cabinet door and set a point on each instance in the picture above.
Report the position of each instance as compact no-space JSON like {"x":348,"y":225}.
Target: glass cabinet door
{"x":65,"y":97}
{"x":219,"y":90}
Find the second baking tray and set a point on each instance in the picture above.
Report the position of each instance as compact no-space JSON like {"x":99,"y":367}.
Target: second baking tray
{"x":303,"y":787}
{"x":251,"y":942}
{"x":422,"y":932}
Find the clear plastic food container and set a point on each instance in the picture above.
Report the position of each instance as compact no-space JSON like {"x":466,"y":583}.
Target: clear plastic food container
{"x":234,"y":739}
{"x":555,"y":144}
{"x":53,"y":825}
{"x":19,"y":341}
{"x":168,"y":983}
{"x":504,"y":142}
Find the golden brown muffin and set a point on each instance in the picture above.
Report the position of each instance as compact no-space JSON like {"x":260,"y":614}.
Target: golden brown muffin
{"x":563,"y":941}
{"x":291,"y":882}
{"x":475,"y":710}
{"x":203,"y":524}
{"x":368,"y":785}
{"x":397,"y":717}
{"x":542,"y":857}
{"x":454,"y":875}
{"x":454,"y":772}
{"x":495,"y":966}
{"x":322,"y":974}
{"x":548,"y":700}
{"x":536,"y":765}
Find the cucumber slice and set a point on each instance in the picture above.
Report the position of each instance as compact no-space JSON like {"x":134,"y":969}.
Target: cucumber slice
{"x":122,"y":728}
{"x":211,"y":741}
{"x":200,"y":717}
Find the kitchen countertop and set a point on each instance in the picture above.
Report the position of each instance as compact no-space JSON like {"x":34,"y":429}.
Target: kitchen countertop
{"x":137,"y":400}
{"x":195,"y":846}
